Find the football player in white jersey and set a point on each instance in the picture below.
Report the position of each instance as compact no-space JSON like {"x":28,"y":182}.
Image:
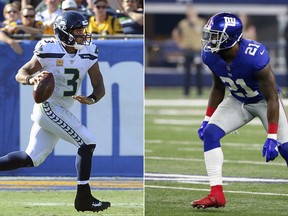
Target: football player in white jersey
{"x":69,"y":57}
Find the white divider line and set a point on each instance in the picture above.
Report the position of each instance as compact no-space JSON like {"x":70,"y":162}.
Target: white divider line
{"x":193,"y":122}
{"x":225,"y":191}
{"x":59,"y":178}
{"x":225,"y":161}
{"x":184,"y":102}
{"x":200,"y":143}
{"x":176,"y":102}
{"x":200,"y":178}
{"x":134,"y":205}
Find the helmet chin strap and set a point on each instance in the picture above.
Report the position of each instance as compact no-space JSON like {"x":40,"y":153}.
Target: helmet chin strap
{"x":78,"y":46}
{"x":75,"y":45}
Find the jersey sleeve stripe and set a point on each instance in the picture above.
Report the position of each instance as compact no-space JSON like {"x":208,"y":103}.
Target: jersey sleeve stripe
{"x":50,"y":55}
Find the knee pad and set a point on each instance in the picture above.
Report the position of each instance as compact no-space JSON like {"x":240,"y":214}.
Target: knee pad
{"x":86,"y":150}
{"x":212,"y":135}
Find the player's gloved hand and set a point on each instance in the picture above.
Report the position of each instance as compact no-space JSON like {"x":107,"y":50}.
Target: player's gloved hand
{"x":83,"y":99}
{"x":270,"y":149}
{"x":201,"y":129}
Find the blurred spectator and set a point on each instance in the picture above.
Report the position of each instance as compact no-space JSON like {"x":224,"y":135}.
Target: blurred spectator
{"x":2,"y":4}
{"x":15,"y":2}
{"x":187,"y":35}
{"x":78,"y":5}
{"x":69,"y":5}
{"x":82,"y":4}
{"x":11,"y":14}
{"x":83,"y":8}
{"x":34,"y":3}
{"x":102,"y":23}
{"x":90,"y":4}
{"x":13,"y":44}
{"x":27,"y":24}
{"x":131,"y":17}
{"x":249,"y":30}
{"x":48,"y":15}
{"x":117,"y":4}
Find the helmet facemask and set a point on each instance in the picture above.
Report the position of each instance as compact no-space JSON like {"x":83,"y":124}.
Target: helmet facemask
{"x":86,"y":38}
{"x":212,"y":40}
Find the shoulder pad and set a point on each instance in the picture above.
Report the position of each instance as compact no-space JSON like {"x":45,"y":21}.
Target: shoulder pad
{"x":45,"y":45}
{"x":92,"y":49}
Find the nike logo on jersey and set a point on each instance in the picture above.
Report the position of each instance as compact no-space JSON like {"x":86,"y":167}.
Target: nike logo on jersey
{"x":261,"y":53}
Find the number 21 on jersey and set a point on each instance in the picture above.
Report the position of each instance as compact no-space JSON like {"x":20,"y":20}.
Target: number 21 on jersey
{"x":246,"y":92}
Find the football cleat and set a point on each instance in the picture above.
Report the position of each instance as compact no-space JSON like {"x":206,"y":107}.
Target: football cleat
{"x":90,"y":204}
{"x":209,"y":202}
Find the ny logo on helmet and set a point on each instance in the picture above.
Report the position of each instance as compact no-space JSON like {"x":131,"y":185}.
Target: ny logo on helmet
{"x":230,"y":21}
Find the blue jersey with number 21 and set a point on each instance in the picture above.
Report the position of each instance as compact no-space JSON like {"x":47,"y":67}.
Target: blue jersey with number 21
{"x":240,"y":74}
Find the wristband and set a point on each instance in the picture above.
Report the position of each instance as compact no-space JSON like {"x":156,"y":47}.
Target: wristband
{"x":209,"y":111}
{"x":272,"y":136}
{"x":272,"y":130}
{"x":28,"y":79}
{"x":207,"y":118}
{"x":93,"y":97}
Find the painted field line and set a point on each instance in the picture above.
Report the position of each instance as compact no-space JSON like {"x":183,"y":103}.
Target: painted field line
{"x":176,"y":102}
{"x":51,"y":183}
{"x":208,"y":190}
{"x":175,"y":112}
{"x":225,"y":161}
{"x":52,"y":178}
{"x":201,"y":178}
{"x":184,"y":102}
{"x":200,"y":143}
{"x":135,"y":205}
{"x":255,"y":122}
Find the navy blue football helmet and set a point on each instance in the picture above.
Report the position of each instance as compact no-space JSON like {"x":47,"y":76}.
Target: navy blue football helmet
{"x":222,"y":31}
{"x":64,"y":25}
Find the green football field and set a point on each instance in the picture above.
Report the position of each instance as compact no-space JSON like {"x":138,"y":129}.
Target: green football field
{"x":175,"y":173}
{"x":37,"y":196}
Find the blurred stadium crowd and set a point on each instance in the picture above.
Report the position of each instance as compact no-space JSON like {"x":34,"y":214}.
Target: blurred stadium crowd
{"x":33,"y":19}
{"x":264,"y":21}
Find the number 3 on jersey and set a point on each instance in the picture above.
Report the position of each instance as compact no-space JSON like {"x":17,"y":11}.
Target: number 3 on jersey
{"x":72,"y":82}
{"x":246,"y":92}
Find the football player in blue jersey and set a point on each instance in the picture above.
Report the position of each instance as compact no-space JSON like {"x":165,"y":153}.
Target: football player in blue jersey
{"x":243,"y":67}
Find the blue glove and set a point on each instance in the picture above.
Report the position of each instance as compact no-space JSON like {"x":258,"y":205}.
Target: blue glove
{"x":270,"y":149}
{"x":201,"y":129}
{"x":283,"y":150}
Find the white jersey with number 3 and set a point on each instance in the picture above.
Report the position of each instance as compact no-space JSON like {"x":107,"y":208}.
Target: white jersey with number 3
{"x":52,"y":119}
{"x":68,"y":70}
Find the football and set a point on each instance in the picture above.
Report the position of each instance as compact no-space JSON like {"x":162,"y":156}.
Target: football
{"x":44,"y":89}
